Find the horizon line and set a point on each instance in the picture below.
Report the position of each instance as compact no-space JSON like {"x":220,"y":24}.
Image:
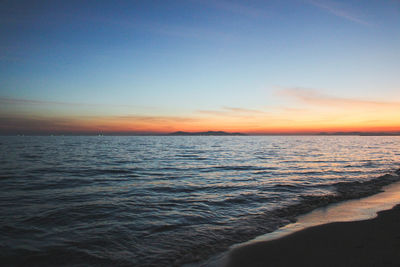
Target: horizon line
{"x":202,"y":133}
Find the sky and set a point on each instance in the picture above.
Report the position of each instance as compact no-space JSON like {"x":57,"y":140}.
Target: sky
{"x":295,"y":66}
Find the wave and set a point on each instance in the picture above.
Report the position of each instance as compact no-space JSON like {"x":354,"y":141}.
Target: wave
{"x":150,"y":201}
{"x":343,"y":191}
{"x":252,"y":226}
{"x":197,"y":239}
{"x":235,"y":168}
{"x":243,"y":199}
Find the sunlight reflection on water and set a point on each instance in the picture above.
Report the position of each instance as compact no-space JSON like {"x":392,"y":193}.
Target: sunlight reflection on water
{"x":167,"y":200}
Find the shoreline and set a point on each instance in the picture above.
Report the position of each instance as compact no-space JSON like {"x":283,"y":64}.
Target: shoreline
{"x":374,"y":242}
{"x":331,"y":236}
{"x":354,"y":202}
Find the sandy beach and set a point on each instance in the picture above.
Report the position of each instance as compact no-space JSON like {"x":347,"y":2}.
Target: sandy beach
{"x":374,"y":242}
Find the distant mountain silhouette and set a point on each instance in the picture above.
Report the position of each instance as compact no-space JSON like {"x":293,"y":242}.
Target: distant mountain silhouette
{"x":205,"y":133}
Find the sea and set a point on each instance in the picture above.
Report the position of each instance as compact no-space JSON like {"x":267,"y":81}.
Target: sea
{"x":171,"y":200}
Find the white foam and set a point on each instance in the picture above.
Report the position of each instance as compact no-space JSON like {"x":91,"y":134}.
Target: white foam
{"x":350,"y":210}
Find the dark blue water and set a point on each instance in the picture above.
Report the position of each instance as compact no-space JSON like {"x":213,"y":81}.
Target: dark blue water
{"x":165,"y":201}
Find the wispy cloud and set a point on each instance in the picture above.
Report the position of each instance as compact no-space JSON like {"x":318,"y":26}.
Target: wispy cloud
{"x":313,"y":97}
{"x":244,"y":110}
{"x":152,"y":119}
{"x":311,"y":111}
{"x":18,"y":101}
{"x":90,"y":124}
{"x":15,"y":124}
{"x":234,"y":112}
{"x":338,"y":10}
{"x":34,"y":102}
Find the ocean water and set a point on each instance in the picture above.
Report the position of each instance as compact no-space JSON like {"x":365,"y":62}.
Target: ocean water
{"x":171,"y":200}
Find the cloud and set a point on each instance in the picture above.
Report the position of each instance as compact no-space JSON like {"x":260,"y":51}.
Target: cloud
{"x":18,"y":101}
{"x":234,"y":112}
{"x":152,"y":119}
{"x":31,"y":124}
{"x":244,"y":110}
{"x":318,"y":112}
{"x":314,"y":98}
{"x":37,"y":124}
{"x":333,"y":8}
{"x":35,"y":102}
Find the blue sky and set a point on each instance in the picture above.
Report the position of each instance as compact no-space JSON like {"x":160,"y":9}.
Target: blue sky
{"x":181,"y":58}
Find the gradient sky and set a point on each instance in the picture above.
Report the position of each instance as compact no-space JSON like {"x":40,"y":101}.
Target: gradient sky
{"x":196,"y":65}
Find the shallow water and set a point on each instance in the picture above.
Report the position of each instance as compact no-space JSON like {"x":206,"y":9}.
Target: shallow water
{"x":168,"y":200}
{"x":351,"y":210}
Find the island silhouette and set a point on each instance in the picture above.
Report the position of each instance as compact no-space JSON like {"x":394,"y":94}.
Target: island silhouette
{"x":204,"y":133}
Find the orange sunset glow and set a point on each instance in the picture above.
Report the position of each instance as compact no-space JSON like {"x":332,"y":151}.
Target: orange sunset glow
{"x":199,"y":133}
{"x":312,"y":114}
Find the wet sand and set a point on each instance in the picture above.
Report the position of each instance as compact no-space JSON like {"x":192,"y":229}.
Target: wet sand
{"x":374,"y":242}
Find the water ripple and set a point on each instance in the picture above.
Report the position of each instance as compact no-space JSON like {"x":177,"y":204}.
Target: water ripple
{"x":165,"y":201}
